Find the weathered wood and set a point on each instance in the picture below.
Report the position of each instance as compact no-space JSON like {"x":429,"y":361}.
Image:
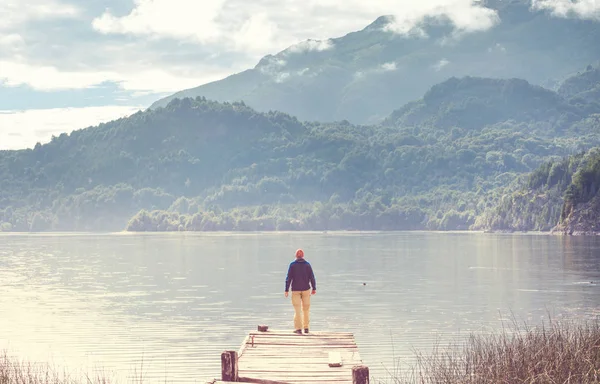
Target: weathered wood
{"x":360,"y":374}
{"x":262,"y":381}
{"x":282,"y":357}
{"x":229,"y":366}
{"x":335,"y":359}
{"x":263,"y":328}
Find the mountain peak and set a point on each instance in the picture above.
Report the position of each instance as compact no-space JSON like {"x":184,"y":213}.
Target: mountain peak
{"x":366,"y":74}
{"x":380,"y":23}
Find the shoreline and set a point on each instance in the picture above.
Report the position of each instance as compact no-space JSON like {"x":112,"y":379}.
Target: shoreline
{"x":303,"y":231}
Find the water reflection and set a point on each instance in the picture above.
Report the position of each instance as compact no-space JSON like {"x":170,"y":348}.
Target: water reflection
{"x":175,"y":301}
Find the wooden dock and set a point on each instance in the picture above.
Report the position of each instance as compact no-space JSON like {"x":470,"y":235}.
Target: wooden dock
{"x":283,"y":357}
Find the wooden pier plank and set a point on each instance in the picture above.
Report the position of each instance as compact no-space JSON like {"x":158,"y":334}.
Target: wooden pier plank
{"x":285,"y":357}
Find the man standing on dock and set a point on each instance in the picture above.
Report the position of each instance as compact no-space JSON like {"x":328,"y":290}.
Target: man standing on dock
{"x":301,"y":278}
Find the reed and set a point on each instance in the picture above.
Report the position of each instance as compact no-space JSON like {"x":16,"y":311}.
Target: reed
{"x":559,"y":352}
{"x":14,"y":371}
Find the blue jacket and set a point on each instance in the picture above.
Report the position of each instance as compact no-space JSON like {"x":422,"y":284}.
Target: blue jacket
{"x":300,"y":275}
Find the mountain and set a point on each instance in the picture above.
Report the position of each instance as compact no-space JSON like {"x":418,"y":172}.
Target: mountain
{"x":362,"y":76}
{"x":562,"y":196}
{"x":438,"y":162}
{"x":472,"y":103}
{"x":580,"y":212}
{"x":583,"y":85}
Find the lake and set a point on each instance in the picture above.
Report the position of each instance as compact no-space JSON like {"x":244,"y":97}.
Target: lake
{"x":167,"y":305}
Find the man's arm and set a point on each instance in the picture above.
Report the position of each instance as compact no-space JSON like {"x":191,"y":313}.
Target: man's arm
{"x":288,"y":278}
{"x":313,"y":281}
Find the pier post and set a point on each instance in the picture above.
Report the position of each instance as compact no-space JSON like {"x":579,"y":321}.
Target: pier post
{"x":229,"y":366}
{"x":360,"y":374}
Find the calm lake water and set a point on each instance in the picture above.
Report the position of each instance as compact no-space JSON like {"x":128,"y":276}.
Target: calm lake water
{"x":168,"y":304}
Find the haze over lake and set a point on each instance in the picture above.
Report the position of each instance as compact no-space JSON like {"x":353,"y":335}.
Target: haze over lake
{"x":169,"y":304}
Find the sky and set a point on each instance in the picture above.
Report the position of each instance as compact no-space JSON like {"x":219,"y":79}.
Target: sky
{"x":70,"y":64}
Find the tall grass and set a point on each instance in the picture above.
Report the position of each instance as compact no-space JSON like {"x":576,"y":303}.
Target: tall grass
{"x":560,"y":352}
{"x":13,"y":371}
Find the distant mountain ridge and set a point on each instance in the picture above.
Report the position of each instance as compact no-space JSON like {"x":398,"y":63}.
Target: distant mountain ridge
{"x":365,"y":75}
{"x":439,"y":162}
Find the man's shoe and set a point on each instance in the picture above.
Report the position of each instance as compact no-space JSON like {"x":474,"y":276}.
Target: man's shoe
{"x":298,"y":331}
{"x":305,"y":330}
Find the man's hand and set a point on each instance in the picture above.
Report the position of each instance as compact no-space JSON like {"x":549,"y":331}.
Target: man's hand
{"x":286,"y":294}
{"x":314,"y":292}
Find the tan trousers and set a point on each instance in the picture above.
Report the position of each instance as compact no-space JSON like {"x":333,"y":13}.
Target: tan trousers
{"x":301,"y":303}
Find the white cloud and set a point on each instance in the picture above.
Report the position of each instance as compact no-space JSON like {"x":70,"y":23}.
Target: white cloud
{"x":265,"y":25}
{"x":466,"y":16}
{"x":238,"y":28}
{"x":46,"y":78}
{"x":311,"y":45}
{"x":256,"y":34}
{"x":386,"y":67}
{"x":11,"y":40}
{"x":585,"y":9}
{"x":15,"y":13}
{"x":281,"y":77}
{"x":22,"y":129}
{"x":497,"y":48}
{"x":271,"y":65}
{"x":440,"y":65}
{"x":171,"y":18}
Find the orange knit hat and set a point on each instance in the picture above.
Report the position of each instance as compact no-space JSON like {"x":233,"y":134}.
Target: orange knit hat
{"x":299,"y":253}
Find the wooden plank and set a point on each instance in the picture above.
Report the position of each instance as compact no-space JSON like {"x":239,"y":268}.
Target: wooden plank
{"x":275,"y":357}
{"x":301,"y":353}
{"x":241,"y":350}
{"x":304,"y":367}
{"x":291,"y":333}
{"x":243,"y":364}
{"x":335,"y":359}
{"x":293,"y":378}
{"x":298,"y":339}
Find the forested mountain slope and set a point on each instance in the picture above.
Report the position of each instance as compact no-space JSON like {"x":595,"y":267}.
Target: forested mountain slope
{"x":435,"y":163}
{"x":561,"y":195}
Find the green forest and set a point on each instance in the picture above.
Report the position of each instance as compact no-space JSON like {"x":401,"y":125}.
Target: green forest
{"x":472,"y":153}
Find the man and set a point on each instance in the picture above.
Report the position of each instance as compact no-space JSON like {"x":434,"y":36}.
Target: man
{"x":301,"y":278}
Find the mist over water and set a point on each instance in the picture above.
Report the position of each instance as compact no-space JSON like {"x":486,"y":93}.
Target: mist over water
{"x":168,"y":304}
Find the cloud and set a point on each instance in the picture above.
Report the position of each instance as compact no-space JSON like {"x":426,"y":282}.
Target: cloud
{"x":166,"y":18}
{"x":584,"y":9}
{"x":271,"y":65}
{"x":147,"y":46}
{"x":47,"y":78}
{"x":311,"y":45}
{"x":22,"y":129}
{"x":15,"y":13}
{"x":256,"y":34}
{"x":497,"y":48}
{"x":265,"y":25}
{"x":168,"y":45}
{"x":11,"y":40}
{"x":465,"y":15}
{"x":440,"y":65}
{"x":386,"y":67}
